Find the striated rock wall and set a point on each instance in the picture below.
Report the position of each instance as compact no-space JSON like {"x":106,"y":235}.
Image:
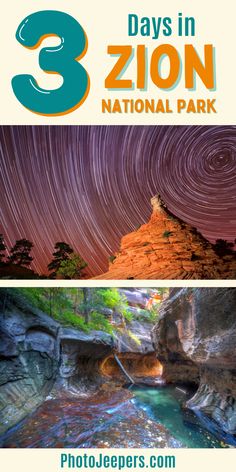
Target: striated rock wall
{"x":195,"y":340}
{"x":133,"y":343}
{"x":29,"y":356}
{"x":39,"y":357}
{"x":168,"y":248}
{"x":80,"y":360}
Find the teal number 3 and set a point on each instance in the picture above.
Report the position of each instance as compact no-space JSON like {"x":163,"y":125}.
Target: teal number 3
{"x":62,"y":59}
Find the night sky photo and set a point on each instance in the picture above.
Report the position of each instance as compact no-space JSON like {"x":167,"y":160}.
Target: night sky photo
{"x":90,"y":185}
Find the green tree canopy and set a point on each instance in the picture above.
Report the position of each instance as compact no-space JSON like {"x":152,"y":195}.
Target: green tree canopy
{"x":71,"y":268}
{"x":61,"y":253}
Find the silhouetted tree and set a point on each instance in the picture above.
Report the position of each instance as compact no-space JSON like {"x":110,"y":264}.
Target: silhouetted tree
{"x":61,"y":254}
{"x":2,"y":249}
{"x":20,"y":253}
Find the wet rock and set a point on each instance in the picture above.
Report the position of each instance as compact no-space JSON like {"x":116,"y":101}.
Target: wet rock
{"x":39,"y":357}
{"x":95,"y":344}
{"x":81,"y":355}
{"x":29,"y":357}
{"x":195,"y":341}
{"x":8,"y":346}
{"x":133,"y":336}
{"x":36,"y":340}
{"x":142,"y":368}
{"x":136,"y":338}
{"x":133,"y":344}
{"x":106,"y":312}
{"x":135,"y":297}
{"x":107,"y":419}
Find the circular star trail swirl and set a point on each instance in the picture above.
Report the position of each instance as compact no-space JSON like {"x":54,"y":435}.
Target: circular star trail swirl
{"x":89,"y":186}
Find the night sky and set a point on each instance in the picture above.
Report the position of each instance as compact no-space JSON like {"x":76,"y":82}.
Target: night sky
{"x":90,"y":185}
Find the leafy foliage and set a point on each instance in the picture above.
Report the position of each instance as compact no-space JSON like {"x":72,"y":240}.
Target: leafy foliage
{"x":68,"y":318}
{"x":99,"y":322}
{"x":166,"y":234}
{"x":112,"y":258}
{"x":87,"y":309}
{"x":72,"y":267}
{"x":66,"y":263}
{"x":60,"y":254}
{"x":128,"y":316}
{"x":111,"y":298}
{"x":150,"y":316}
{"x":68,"y":305}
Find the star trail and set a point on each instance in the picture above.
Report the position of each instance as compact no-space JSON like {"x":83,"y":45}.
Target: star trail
{"x":90,"y":185}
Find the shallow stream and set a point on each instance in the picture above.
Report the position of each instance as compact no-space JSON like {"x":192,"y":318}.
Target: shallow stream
{"x":164,"y":406}
{"x":138,"y":416}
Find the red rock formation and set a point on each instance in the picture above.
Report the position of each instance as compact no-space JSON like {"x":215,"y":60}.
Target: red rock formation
{"x":167,"y":248}
{"x":137,"y":365}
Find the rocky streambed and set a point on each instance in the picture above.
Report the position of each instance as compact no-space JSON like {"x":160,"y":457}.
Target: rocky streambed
{"x":60,"y":387}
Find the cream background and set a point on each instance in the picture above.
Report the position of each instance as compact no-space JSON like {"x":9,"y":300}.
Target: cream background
{"x":117,"y":283}
{"x":48,"y":460}
{"x":105,"y":22}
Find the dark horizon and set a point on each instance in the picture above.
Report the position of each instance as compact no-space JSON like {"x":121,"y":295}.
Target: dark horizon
{"x":90,"y":185}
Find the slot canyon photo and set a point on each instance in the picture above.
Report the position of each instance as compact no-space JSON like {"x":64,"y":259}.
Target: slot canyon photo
{"x":117,"y":367}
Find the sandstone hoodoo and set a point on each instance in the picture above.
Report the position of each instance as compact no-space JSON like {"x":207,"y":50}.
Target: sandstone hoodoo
{"x":168,"y":248}
{"x":126,"y":367}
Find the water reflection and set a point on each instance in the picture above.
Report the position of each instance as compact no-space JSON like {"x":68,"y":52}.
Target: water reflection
{"x":164,"y":406}
{"x":142,"y":417}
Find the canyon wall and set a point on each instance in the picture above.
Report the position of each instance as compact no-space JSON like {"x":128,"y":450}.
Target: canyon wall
{"x":133,"y":340}
{"x":29,"y":357}
{"x":39,"y":357}
{"x":195,"y":340}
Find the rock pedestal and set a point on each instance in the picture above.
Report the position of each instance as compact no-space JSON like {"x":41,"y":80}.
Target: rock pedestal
{"x":168,"y":248}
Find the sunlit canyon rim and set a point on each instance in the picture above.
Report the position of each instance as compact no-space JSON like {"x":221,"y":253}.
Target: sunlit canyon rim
{"x":161,"y":373}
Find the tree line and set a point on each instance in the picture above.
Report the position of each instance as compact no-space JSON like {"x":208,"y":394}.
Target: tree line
{"x":65,"y":263}
{"x":68,"y":264}
{"x":82,"y":308}
{"x":85,"y":308}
